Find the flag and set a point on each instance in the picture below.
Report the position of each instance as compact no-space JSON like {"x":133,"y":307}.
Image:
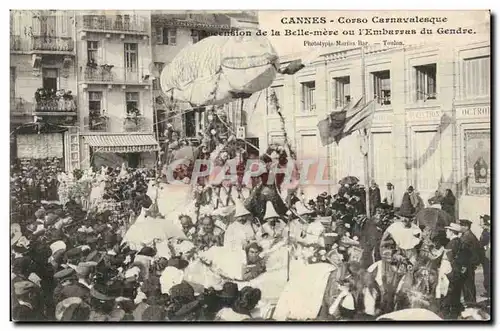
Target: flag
{"x":343,"y":123}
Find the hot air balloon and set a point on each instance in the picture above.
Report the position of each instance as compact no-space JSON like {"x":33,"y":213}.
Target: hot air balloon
{"x":219,"y":69}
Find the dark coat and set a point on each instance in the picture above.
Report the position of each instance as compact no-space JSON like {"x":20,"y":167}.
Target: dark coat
{"x":473,"y":247}
{"x":448,"y":205}
{"x":406,"y":207}
{"x":374,"y":198}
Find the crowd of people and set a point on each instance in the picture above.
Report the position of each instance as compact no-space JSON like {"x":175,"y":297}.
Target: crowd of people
{"x":72,"y":261}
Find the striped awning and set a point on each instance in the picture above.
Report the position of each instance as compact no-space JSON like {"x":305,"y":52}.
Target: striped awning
{"x":122,"y":143}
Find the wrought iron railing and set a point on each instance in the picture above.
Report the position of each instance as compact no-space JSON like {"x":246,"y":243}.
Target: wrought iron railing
{"x":55,"y":105}
{"x":97,"y":123}
{"x":119,"y":23}
{"x":109,"y":73}
{"x":51,"y":43}
{"x":135,"y":124}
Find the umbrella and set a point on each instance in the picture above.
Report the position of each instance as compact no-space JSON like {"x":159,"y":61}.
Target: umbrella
{"x":349,"y":180}
{"x":433,"y":218}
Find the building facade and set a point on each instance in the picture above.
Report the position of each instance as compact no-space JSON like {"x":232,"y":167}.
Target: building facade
{"x":43,"y":85}
{"x":431,"y":128}
{"x":173,"y":31}
{"x":115,"y":88}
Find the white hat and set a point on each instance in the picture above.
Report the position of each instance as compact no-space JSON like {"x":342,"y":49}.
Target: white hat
{"x":57,"y":246}
{"x":270,"y":211}
{"x":241,"y":210}
{"x":302,"y":210}
{"x":454,"y":227}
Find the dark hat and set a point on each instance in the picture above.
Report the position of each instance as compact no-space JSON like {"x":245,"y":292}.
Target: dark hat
{"x":464,"y":222}
{"x":73,"y":253}
{"x":178,"y":263}
{"x":188,"y":308}
{"x":182,"y":290}
{"x":229,"y":290}
{"x":147,"y":251}
{"x":389,"y":184}
{"x":485,"y":218}
{"x":100,"y":292}
{"x":94,"y":256}
{"x":64,"y":274}
{"x":410,"y":188}
{"x":311,"y":202}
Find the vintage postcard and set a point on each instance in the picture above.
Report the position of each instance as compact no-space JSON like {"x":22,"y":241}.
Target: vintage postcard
{"x":250,"y":165}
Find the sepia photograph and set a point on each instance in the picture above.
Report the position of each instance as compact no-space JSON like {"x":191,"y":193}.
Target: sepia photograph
{"x":250,"y":166}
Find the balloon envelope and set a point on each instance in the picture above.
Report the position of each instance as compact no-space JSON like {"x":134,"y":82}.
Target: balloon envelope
{"x":218,"y":69}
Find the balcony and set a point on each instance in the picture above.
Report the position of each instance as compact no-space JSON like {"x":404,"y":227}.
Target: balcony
{"x":97,"y":123}
{"x":50,"y":103}
{"x":109,"y":74}
{"x":52,"y":44}
{"x":135,"y":124}
{"x":124,"y":24}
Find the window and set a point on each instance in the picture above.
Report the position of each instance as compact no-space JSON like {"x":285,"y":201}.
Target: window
{"x":95,"y":99}
{"x":132,"y":99}
{"x":477,"y":77}
{"x":92,"y":49}
{"x":425,"y":84}
{"x":12,"y":83}
{"x":131,"y":57}
{"x":382,"y":87}
{"x":198,"y":35}
{"x":169,"y":36}
{"x":50,"y":79}
{"x":158,"y":68}
{"x":342,"y":90}
{"x":308,"y":96}
{"x":276,"y":91}
{"x":47,"y":25}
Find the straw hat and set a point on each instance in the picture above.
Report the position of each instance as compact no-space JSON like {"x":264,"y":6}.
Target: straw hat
{"x":270,"y":211}
{"x":57,"y":246}
{"x":241,"y":210}
{"x":454,"y":227}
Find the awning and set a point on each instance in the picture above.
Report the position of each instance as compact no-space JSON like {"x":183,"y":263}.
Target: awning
{"x":122,"y":143}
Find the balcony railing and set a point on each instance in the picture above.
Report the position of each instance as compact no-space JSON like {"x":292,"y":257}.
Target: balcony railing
{"x":97,"y":123}
{"x":134,"y":124}
{"x":55,"y":105}
{"x":107,"y":73}
{"x":51,"y":43}
{"x":99,"y":74}
{"x":118,"y":23}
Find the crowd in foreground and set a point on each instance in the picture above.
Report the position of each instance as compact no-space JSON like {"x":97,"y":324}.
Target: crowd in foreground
{"x":70,"y":263}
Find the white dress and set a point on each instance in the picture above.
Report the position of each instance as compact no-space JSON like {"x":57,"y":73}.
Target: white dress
{"x":238,"y":235}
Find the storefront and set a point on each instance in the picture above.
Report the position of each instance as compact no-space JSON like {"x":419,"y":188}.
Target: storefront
{"x":113,"y":150}
{"x":473,"y":148}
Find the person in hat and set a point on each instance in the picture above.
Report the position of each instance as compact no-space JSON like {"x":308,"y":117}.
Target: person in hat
{"x":451,"y":305}
{"x":471,"y":247}
{"x":240,"y":232}
{"x":273,"y":225}
{"x":389,"y":195}
{"x":227,"y":296}
{"x":448,"y":203}
{"x":208,"y":235}
{"x":255,"y":265}
{"x":72,"y":309}
{"x":407,"y":207}
{"x":485,"y":243}
{"x":26,"y":306}
{"x":375,"y":200}
{"x":101,"y":302}
{"x":187,"y":226}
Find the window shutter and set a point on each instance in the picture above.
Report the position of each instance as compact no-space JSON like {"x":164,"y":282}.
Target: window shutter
{"x":158,"y":35}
